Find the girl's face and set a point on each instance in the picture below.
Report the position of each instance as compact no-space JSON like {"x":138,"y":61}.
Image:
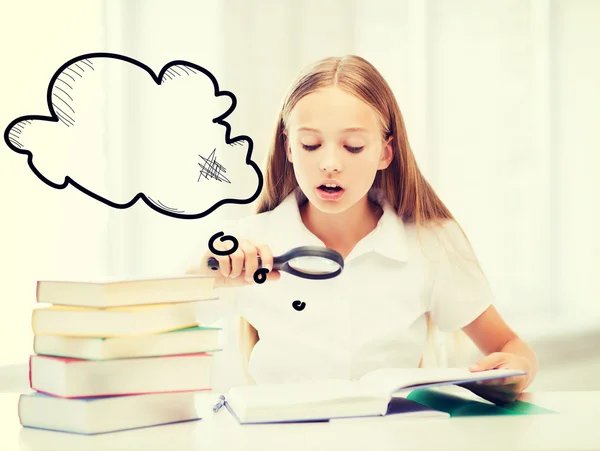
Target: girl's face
{"x":336,"y":147}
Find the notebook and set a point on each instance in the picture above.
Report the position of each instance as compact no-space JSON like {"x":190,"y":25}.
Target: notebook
{"x":126,"y":291}
{"x":321,"y":400}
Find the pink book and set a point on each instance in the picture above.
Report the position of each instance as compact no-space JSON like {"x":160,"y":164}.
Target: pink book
{"x":76,"y":378}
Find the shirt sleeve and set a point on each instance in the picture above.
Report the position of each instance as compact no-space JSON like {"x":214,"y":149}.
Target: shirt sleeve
{"x":460,"y":290}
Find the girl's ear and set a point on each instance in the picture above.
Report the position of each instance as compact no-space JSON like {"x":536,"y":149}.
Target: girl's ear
{"x":387,"y":155}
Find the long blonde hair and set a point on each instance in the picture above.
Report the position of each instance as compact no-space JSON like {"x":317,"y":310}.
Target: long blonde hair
{"x":402,"y":183}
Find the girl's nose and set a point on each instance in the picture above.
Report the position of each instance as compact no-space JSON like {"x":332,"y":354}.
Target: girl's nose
{"x":330,"y":160}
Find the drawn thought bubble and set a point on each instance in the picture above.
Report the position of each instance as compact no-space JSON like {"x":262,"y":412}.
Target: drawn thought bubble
{"x":175,"y":137}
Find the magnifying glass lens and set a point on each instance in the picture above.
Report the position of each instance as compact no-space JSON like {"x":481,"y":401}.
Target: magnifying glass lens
{"x":314,"y":265}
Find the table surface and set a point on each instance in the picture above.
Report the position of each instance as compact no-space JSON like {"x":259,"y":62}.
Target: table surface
{"x":575,"y":426}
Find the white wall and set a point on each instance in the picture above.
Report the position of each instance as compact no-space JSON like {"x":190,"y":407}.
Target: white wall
{"x":44,"y":233}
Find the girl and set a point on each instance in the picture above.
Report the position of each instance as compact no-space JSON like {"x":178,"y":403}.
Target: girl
{"x":340,"y":173}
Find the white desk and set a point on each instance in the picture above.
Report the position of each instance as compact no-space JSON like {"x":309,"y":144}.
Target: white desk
{"x":577,"y":426}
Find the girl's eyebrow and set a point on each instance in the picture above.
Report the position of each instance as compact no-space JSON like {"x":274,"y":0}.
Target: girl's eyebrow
{"x":349,"y":129}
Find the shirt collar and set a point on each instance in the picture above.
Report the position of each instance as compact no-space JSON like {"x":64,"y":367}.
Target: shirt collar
{"x":388,"y":238}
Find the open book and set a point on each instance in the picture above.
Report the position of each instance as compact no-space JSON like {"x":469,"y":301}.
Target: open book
{"x":338,"y":398}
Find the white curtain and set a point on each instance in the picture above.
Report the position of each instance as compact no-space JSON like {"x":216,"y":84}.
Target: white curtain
{"x":499,"y":99}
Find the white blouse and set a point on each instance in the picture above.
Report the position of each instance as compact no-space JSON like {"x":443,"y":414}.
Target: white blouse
{"x":371,"y":316}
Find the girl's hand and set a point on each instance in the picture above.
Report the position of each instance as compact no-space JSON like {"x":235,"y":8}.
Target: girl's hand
{"x":238,"y":268}
{"x":505,"y":390}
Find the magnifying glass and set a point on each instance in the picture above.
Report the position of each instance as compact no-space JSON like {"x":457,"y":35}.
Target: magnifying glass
{"x":308,"y":262}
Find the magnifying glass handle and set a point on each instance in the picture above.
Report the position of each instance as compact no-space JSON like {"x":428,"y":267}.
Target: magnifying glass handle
{"x":213,"y":263}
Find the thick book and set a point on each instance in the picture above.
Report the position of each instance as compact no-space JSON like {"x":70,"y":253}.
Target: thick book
{"x":106,"y":414}
{"x":191,"y":340}
{"x":113,"y":321}
{"x":322,"y":400}
{"x":126,"y":291}
{"x":74,"y":378}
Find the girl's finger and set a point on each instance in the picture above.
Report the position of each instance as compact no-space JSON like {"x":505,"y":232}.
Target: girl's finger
{"x":224,"y":262}
{"x":266,"y":256}
{"x":237,"y":261}
{"x":273,"y":275}
{"x":250,"y":260}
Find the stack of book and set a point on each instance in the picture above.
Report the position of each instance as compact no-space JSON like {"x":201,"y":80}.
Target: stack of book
{"x":116,"y":355}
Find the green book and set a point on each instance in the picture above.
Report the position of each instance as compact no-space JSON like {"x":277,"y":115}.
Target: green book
{"x":189,"y":340}
{"x":458,"y":406}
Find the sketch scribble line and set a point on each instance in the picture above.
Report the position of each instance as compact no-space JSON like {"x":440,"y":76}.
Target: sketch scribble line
{"x":75,"y":72}
{"x":65,"y":92}
{"x":61,"y":110}
{"x":171,"y":73}
{"x":158,"y":203}
{"x":71,"y":120}
{"x":70,"y":76}
{"x":62,"y":119}
{"x":212,"y":169}
{"x":89,"y":64}
{"x":164,"y":206}
{"x":63,"y":101}
{"x":60,"y":79}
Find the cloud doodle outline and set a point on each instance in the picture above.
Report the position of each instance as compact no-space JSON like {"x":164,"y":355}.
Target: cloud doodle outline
{"x":68,"y":180}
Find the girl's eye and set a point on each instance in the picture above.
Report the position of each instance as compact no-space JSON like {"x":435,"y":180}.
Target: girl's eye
{"x":349,"y":148}
{"x":354,"y":149}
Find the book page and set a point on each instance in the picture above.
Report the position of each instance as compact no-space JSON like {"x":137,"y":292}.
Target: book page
{"x":295,"y":394}
{"x":386,"y":381}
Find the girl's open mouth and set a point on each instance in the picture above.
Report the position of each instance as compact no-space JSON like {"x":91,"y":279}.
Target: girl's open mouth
{"x":330,"y":192}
